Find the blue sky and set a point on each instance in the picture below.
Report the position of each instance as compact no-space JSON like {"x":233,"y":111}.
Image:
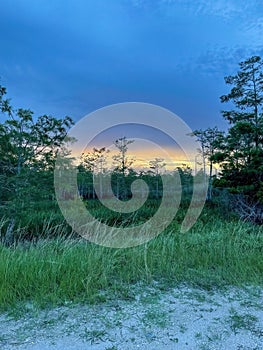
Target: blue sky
{"x":66,"y":57}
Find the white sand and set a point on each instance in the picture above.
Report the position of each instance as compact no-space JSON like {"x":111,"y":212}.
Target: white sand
{"x":181,"y":318}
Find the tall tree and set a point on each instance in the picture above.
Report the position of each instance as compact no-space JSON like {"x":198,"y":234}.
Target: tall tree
{"x":242,"y":152}
{"x":122,"y":163}
{"x":5,"y":109}
{"x":211,"y":141}
{"x":28,"y":142}
{"x":186,"y":178}
{"x":27,"y":156}
{"x":95,"y":162}
{"x":156,"y":166}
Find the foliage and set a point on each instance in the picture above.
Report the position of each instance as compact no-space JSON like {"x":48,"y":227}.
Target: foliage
{"x":122,"y":166}
{"x":210,"y":141}
{"x":29,"y":146}
{"x":215,"y":253}
{"x":93,"y":162}
{"x":241,"y":152}
{"x":28,"y":150}
{"x":157,"y":164}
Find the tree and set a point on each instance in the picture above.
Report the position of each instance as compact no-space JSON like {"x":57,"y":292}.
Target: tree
{"x":242,"y":152}
{"x":211,"y":141}
{"x":95,"y":162}
{"x":157,"y":165}
{"x":5,"y":108}
{"x":186,"y":178}
{"x":122,"y":165}
{"x":28,"y":142}
{"x":27,"y":156}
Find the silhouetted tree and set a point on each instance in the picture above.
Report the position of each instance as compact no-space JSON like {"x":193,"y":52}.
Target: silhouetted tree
{"x":211,"y":141}
{"x":156,"y":166}
{"x":122,"y":165}
{"x":242,"y":151}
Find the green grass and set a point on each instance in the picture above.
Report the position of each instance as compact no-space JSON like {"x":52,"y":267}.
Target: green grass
{"x":214,"y":253}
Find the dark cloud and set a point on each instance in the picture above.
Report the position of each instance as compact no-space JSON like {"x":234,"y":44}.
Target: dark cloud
{"x":65,"y":57}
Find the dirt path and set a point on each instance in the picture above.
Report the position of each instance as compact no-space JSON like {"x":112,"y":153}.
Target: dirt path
{"x":183,"y":318}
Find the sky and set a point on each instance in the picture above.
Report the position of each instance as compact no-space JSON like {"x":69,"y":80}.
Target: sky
{"x":66,"y":57}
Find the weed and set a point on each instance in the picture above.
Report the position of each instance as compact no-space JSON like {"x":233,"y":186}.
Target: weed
{"x":94,"y":336}
{"x":155,"y":316}
{"x":244,"y":321}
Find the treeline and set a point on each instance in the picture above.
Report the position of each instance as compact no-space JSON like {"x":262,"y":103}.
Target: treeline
{"x":29,"y":146}
{"x":239,"y":151}
{"x":97,"y":166}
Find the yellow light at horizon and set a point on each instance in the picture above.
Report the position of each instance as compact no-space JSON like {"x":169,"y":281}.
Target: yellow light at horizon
{"x":143,"y":151}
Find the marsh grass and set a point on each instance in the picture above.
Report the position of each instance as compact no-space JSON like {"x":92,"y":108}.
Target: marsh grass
{"x":214,"y":253}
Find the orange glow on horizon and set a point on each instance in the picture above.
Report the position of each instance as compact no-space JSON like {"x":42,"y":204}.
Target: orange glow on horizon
{"x":143,"y":151}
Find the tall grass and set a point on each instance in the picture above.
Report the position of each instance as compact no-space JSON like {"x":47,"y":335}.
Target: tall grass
{"x":53,"y":271}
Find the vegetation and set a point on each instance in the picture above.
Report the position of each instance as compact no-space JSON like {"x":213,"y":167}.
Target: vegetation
{"x":215,"y":253}
{"x":43,"y":260}
{"x":240,"y":151}
{"x":210,"y":142}
{"x":27,"y":155}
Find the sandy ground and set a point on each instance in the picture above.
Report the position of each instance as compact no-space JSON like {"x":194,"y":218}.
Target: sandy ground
{"x":152,"y":319}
